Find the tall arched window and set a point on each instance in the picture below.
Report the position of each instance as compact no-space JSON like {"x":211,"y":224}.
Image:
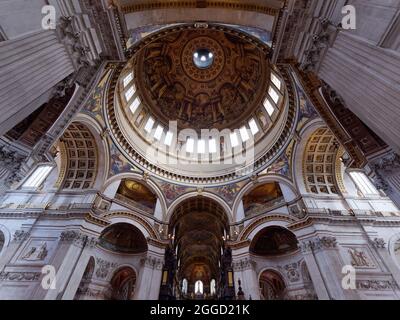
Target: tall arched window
{"x":184,"y":286}
{"x":198,"y":287}
{"x":213,"y":288}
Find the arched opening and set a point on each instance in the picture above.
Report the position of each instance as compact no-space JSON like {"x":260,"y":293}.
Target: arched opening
{"x":272,"y":286}
{"x":86,"y":279}
{"x":79,"y":158}
{"x":319,"y":163}
{"x":2,"y":240}
{"x":273,"y":241}
{"x":262,"y":198}
{"x":213,"y":288}
{"x":123,"y":284}
{"x":123,"y":238}
{"x":198,"y":227}
{"x":184,"y":286}
{"x":137,"y":194}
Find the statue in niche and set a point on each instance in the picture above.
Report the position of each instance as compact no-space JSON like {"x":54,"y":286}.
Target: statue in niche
{"x":358,"y":258}
{"x":36,"y":253}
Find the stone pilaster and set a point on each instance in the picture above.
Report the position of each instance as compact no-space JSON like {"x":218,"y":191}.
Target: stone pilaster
{"x":149,"y":281}
{"x":245,"y":272}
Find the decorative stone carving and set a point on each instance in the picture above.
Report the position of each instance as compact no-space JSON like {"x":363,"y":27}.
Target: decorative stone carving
{"x":19,"y":276}
{"x":385,"y":166}
{"x":68,"y":236}
{"x":359,"y":258}
{"x":72,"y":41}
{"x":304,"y":296}
{"x":12,"y":162}
{"x":292,"y":271}
{"x":242,"y":264}
{"x":36,"y":253}
{"x":153,"y":262}
{"x":21,"y":235}
{"x":388,"y":162}
{"x":90,"y":292}
{"x":320,"y":42}
{"x":378,"y":285}
{"x":379,"y":243}
{"x":318,"y":243}
{"x":103,"y":267}
{"x":78,"y":238}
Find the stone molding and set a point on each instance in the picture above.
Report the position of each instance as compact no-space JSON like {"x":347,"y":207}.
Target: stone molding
{"x":318,"y":243}
{"x":19,"y":276}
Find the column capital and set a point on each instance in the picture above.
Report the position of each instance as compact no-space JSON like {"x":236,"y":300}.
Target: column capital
{"x":153,"y":262}
{"x":243,"y":264}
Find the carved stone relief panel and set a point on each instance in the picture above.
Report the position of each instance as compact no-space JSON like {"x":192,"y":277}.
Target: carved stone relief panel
{"x":360,"y":257}
{"x":36,"y":251}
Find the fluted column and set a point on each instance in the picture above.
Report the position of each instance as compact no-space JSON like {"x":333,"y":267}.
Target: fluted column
{"x":30,"y":67}
{"x":368,"y":79}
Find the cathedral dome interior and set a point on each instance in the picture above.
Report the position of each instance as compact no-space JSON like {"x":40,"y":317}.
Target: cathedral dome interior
{"x":207,"y":150}
{"x":239,"y":100}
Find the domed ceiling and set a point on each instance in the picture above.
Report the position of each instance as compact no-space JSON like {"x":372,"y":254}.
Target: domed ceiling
{"x":218,"y":92}
{"x":212,"y":81}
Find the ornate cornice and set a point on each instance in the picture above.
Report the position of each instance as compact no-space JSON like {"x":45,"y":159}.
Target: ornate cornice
{"x":192,"y":4}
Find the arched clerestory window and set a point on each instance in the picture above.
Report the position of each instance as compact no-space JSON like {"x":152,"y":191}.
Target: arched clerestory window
{"x":198,"y":287}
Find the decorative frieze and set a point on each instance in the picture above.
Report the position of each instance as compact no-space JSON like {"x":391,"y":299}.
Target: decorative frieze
{"x":78,"y":238}
{"x":19,"y":276}
{"x":318,"y":243}
{"x":376,"y":285}
{"x":91,"y":293}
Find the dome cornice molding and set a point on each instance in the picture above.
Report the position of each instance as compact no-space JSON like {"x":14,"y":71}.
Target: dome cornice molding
{"x":192,"y":4}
